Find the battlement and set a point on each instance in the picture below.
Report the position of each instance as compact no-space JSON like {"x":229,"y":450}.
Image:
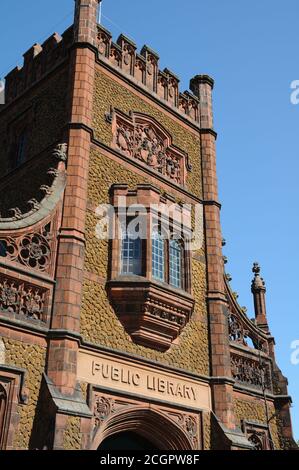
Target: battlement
{"x":38,"y":61}
{"x":143,"y":68}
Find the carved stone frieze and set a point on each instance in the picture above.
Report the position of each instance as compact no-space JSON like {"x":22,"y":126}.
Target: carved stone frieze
{"x":251,"y":372}
{"x":142,"y":138}
{"x":21,"y":298}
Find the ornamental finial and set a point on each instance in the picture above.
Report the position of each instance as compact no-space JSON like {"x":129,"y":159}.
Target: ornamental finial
{"x":256,"y":268}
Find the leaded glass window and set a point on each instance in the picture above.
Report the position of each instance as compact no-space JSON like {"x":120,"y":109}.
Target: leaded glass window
{"x":131,"y":254}
{"x":158,"y":256}
{"x":175,"y":263}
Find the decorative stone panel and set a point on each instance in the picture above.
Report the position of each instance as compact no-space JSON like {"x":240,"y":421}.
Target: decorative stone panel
{"x":152,"y":315}
{"x":251,"y":371}
{"x":141,"y":137}
{"x":112,"y":412}
{"x":22,"y":299}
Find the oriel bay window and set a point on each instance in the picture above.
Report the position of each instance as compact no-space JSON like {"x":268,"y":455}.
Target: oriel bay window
{"x":150,"y":283}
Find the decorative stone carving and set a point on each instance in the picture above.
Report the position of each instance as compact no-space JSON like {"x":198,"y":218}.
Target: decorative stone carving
{"x":142,"y":138}
{"x":32,"y":250}
{"x":166,"y":312}
{"x":16,"y":213}
{"x":46,"y":189}
{"x":258,"y":435}
{"x":43,"y":201}
{"x":103,"y":407}
{"x":256,"y":438}
{"x":190,"y":424}
{"x":152,"y":316}
{"x":34,"y":204}
{"x":251,"y":372}
{"x":21,"y":298}
{"x":61,"y":152}
{"x":237,"y":332}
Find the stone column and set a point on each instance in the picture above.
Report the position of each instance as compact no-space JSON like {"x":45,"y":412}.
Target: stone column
{"x":222,"y":382}
{"x":63,"y":348}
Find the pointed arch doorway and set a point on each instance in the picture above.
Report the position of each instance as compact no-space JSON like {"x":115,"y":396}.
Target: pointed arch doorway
{"x":127,"y":440}
{"x":141,"y":428}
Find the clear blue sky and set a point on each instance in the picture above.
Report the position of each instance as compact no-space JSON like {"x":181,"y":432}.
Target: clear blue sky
{"x":250,"y":48}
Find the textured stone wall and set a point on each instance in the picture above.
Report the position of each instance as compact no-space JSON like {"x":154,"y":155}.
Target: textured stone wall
{"x":99,"y":323}
{"x":110,"y":93}
{"x":72,"y":434}
{"x":45,"y":104}
{"x":254,"y":410}
{"x":31,"y":358}
{"x":206,"y":419}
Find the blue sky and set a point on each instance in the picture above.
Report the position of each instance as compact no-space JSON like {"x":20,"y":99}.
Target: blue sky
{"x":250,"y":49}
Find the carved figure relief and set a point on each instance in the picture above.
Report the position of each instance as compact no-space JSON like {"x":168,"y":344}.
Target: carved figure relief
{"x":22,"y":299}
{"x":251,"y":372}
{"x":142,"y":138}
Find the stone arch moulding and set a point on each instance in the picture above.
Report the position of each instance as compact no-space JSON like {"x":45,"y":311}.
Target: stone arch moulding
{"x":12,"y":394}
{"x":149,"y":423}
{"x":142,"y":138}
{"x":46,"y":199}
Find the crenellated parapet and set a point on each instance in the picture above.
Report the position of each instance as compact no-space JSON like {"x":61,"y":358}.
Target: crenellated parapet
{"x":38,"y":61}
{"x":143,"y":69}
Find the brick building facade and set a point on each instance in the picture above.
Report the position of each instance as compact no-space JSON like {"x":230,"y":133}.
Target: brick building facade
{"x":108,"y":341}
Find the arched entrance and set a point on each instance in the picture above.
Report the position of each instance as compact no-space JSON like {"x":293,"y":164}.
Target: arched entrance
{"x":126,"y":441}
{"x":141,"y":427}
